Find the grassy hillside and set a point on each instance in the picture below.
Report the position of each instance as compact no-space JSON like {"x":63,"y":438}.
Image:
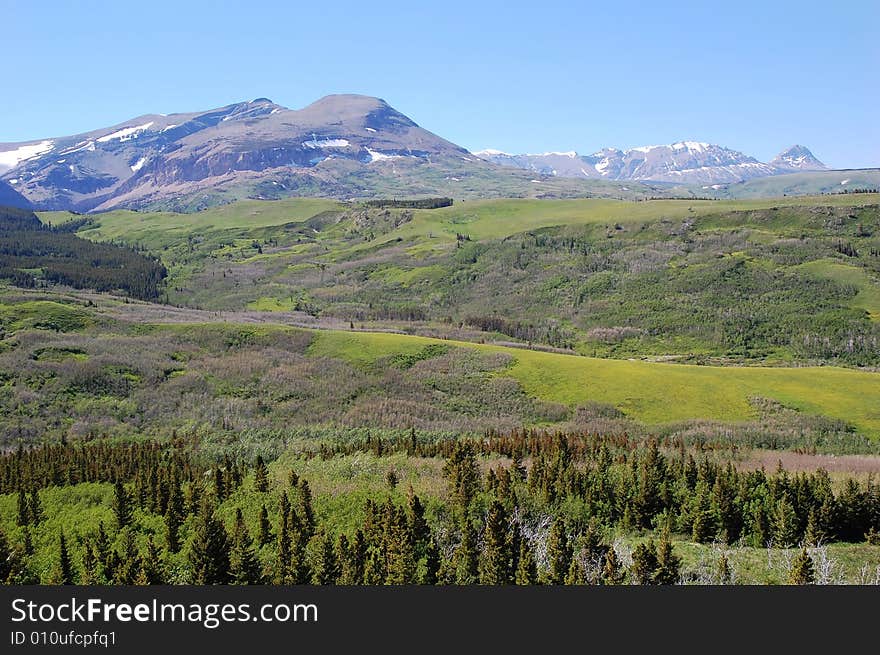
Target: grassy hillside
{"x":651,"y":393}
{"x":693,"y":281}
{"x":83,"y":367}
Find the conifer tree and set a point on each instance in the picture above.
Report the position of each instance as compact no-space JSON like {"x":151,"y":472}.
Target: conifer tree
{"x":174,"y":518}
{"x":121,"y":505}
{"x":559,"y":553}
{"x":786,"y":531}
{"x":462,"y":473}
{"x":219,"y":485}
{"x":283,"y":574}
{"x":64,"y":574}
{"x":802,"y":569}
{"x":208,"y":555}
{"x":398,"y":542}
{"x":264,"y":536}
{"x":467,"y":556}
{"x":305,"y":507}
{"x":576,"y":575}
{"x":431,"y":572}
{"x":358,"y":559}
{"x":418,"y":526}
{"x":495,"y":559}
{"x":326,"y":569}
{"x":89,"y":574}
{"x":129,"y":564}
{"x":526,"y":570}
{"x":644,"y":563}
{"x":612,"y":570}
{"x":102,"y":550}
{"x":24,"y":511}
{"x":668,"y":569}
{"x":193,"y":497}
{"x":813,"y":535}
{"x":27,"y":541}
{"x":261,"y":476}
{"x":344,"y":561}
{"x":152,"y":568}
{"x":374,"y":568}
{"x":244,"y":567}
{"x":35,"y":507}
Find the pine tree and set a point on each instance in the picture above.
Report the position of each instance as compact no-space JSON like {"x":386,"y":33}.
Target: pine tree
{"x":813,"y":535}
{"x":326,"y":569}
{"x":526,"y":570}
{"x":559,"y":553}
{"x":467,"y":556}
{"x":495,"y":559}
{"x":399,"y":553}
{"x":152,"y":568}
{"x":24,"y":512}
{"x":174,"y":518}
{"x":208,"y":555}
{"x":126,"y":571}
{"x":462,"y":473}
{"x":802,"y":569}
{"x":576,"y":575}
{"x":644,"y":563}
{"x":358,"y":560}
{"x":283,"y":573}
{"x":121,"y":505}
{"x":612,"y":570}
{"x":193,"y":497}
{"x":668,"y":569}
{"x":35,"y":507}
{"x":374,"y":568}
{"x":219,"y":485}
{"x":431,"y":573}
{"x":305,"y":507}
{"x":264,"y":536}
{"x":418,"y":526}
{"x":64,"y":573}
{"x":786,"y":531}
{"x":261,"y":476}
{"x":244,"y":567}
{"x":89,"y":574}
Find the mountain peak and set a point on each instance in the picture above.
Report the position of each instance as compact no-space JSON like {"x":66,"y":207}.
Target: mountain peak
{"x":798,"y":158}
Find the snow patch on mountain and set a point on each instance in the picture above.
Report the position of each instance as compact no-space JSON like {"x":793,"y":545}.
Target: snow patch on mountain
{"x":12,"y":158}
{"x":375,"y":155}
{"x":126,"y":133}
{"x":325,"y":143}
{"x":139,"y":164}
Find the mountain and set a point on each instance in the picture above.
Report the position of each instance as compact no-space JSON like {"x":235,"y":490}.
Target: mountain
{"x":341,"y":146}
{"x":797,"y":158}
{"x":687,"y":162}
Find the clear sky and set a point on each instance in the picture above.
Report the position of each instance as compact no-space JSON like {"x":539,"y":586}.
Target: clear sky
{"x":521,"y":77}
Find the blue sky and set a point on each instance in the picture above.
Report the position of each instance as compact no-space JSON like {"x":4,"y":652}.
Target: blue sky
{"x":521,"y":77}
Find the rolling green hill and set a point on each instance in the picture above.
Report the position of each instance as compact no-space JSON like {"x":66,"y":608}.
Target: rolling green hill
{"x":789,"y":280}
{"x":652,"y":393}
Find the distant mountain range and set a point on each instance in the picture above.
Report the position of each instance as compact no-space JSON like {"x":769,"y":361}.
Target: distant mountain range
{"x":684,"y":162}
{"x":342,"y":146}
